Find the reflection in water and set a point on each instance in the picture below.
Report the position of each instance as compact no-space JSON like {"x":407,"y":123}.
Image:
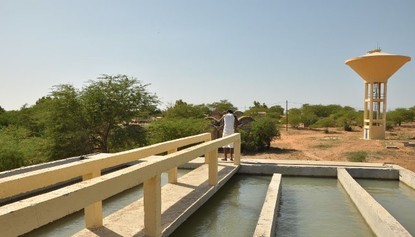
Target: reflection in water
{"x":318,"y":207}
{"x":232,"y":211}
{"x":396,"y":197}
{"x":74,"y":223}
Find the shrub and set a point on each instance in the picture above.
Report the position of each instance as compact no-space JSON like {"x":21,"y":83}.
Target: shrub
{"x":18,"y":147}
{"x":356,"y":156}
{"x":390,"y":125}
{"x":259,"y":136}
{"x":127,"y":137}
{"x":169,"y":129}
{"x":347,"y":127}
{"x":10,"y":159}
{"x":323,"y":145}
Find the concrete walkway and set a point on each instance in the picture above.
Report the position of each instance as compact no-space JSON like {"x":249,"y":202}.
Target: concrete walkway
{"x":179,"y":201}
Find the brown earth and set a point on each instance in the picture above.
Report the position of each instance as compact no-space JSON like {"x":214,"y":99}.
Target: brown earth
{"x":336,"y":145}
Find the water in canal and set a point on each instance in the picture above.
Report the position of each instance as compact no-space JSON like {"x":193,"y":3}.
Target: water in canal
{"x":232,"y":211}
{"x":309,"y":207}
{"x":318,"y":207}
{"x":396,"y":197}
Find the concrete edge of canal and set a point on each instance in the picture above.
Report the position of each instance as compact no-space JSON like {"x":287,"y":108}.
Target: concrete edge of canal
{"x":379,"y":219}
{"x":266,"y":225}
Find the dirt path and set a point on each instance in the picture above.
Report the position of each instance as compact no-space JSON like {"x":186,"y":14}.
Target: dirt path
{"x":337,"y":146}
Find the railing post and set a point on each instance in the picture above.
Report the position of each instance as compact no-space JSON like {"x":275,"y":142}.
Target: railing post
{"x":93,"y":212}
{"x":152,"y":206}
{"x":237,"y":150}
{"x":212,"y":158}
{"x":206,"y":157}
{"x":172,"y":173}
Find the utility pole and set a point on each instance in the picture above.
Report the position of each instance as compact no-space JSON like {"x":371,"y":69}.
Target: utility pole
{"x":286,"y":115}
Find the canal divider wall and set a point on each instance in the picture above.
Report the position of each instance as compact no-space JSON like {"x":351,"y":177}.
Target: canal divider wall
{"x":379,"y":219}
{"x":318,"y":168}
{"x":266,"y":225}
{"x":406,"y":176}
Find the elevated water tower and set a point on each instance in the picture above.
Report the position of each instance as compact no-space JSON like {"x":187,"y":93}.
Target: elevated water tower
{"x":376,"y":68}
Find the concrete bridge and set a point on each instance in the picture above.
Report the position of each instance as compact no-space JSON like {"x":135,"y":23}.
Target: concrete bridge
{"x":83,"y":183}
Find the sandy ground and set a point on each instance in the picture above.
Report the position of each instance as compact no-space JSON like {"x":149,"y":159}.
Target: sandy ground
{"x":304,"y":144}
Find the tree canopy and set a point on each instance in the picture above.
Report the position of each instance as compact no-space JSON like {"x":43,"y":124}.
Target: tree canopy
{"x":115,"y":113}
{"x":325,"y":116}
{"x":111,"y":101}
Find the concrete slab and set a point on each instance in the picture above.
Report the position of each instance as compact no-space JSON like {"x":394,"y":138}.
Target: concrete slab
{"x":179,"y":201}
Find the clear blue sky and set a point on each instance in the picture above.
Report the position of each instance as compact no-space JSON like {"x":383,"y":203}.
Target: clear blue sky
{"x":206,"y":51}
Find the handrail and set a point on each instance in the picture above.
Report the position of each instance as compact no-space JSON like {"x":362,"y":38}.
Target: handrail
{"x":36,"y":211}
{"x":26,"y":182}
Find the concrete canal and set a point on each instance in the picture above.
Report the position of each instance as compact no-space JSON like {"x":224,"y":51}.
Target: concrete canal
{"x":308,"y":207}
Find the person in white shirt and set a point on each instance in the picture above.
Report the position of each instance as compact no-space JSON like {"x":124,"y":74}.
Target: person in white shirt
{"x":230,"y":122}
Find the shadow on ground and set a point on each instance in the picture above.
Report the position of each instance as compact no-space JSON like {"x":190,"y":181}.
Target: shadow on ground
{"x":271,"y":150}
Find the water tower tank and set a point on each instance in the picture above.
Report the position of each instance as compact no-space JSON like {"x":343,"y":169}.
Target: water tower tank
{"x":376,"y":68}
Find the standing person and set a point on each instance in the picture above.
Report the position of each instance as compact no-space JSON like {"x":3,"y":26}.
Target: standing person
{"x":230,"y":122}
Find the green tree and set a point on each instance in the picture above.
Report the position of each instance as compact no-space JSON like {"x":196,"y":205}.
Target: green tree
{"x":23,"y":138}
{"x":348,"y":117}
{"x":294,"y":117}
{"x":412,"y":109}
{"x":10,"y":158}
{"x":276,"y":111}
{"x":259,"y":136}
{"x":128,"y":137}
{"x":111,"y":101}
{"x":97,"y":118}
{"x":68,"y":129}
{"x":184,"y":110}
{"x":19,"y":147}
{"x":325,"y":123}
{"x":259,"y":109}
{"x":222,"y":106}
{"x":8,"y":117}
{"x":10,"y":155}
{"x":169,"y":129}
{"x":325,"y":116}
{"x":400,"y":115}
{"x":309,"y":114}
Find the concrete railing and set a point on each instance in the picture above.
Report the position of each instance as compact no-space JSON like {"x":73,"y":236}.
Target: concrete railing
{"x":42,"y":209}
{"x":93,"y":165}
